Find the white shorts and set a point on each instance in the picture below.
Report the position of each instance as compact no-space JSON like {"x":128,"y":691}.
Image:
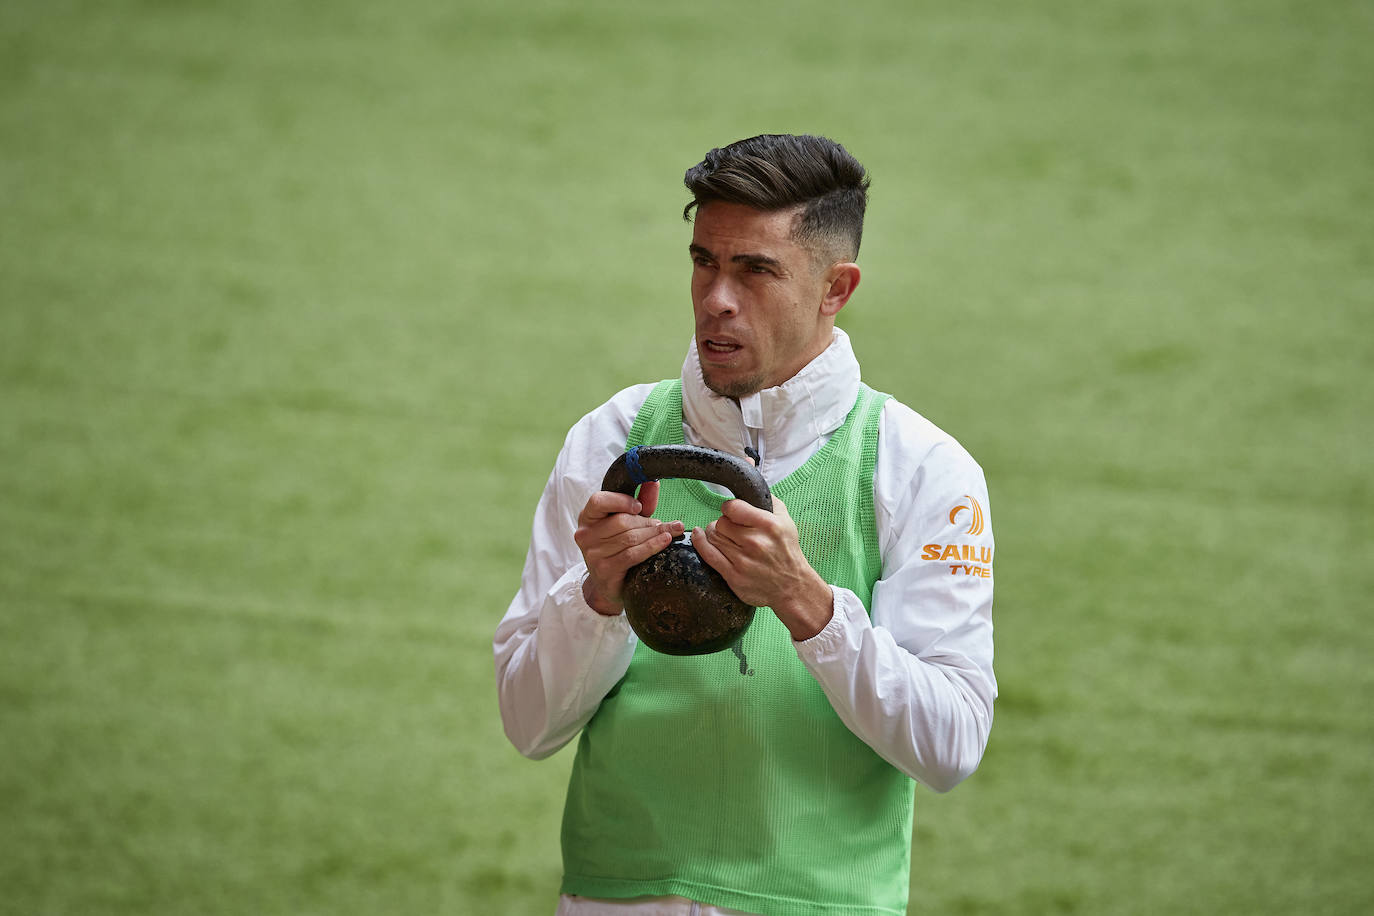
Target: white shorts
{"x":569,"y":905}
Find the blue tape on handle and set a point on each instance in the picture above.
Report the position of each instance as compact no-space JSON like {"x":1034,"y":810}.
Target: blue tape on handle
{"x":637,"y":475}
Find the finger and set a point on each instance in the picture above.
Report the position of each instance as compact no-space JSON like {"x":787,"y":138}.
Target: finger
{"x":708,"y":551}
{"x":634,"y":537}
{"x":638,"y":553}
{"x":606,"y":503}
{"x":737,"y":541}
{"x":648,"y":497}
{"x":745,"y":515}
{"x":610,"y":536}
{"x":718,"y":533}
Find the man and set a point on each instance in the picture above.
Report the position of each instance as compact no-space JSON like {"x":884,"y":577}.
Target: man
{"x":775,"y":779}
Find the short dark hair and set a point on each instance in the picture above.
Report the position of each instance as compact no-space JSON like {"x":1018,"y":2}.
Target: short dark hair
{"x":780,"y":171}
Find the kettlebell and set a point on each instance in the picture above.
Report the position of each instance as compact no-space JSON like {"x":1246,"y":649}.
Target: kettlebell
{"x":674,"y":601}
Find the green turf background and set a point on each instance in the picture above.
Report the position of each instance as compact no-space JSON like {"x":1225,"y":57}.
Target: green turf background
{"x":298,"y":299}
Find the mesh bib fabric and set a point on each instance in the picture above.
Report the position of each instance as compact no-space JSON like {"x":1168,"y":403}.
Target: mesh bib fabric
{"x":728,"y":778}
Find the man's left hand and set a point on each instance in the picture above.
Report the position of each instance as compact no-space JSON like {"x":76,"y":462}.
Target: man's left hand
{"x":759,"y":555}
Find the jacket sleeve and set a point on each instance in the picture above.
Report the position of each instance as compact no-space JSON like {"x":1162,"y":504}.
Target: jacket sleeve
{"x":556,"y":658}
{"x":914,"y":679}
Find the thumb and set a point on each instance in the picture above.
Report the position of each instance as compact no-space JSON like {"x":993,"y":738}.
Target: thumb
{"x":648,"y":498}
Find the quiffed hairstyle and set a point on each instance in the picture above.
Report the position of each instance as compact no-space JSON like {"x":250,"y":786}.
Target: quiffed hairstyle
{"x":779,"y":171}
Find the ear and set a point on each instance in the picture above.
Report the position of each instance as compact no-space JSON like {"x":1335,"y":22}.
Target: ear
{"x":841,"y":280}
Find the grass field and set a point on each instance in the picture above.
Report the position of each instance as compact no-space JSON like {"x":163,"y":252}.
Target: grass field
{"x":297,"y":301}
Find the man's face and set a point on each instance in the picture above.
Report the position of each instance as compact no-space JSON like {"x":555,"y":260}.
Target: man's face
{"x":757,"y":297}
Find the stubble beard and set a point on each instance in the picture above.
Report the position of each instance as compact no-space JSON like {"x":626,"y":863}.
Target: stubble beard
{"x":737,"y":389}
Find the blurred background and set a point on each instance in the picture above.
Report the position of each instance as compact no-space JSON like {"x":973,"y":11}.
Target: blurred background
{"x":297,"y":301}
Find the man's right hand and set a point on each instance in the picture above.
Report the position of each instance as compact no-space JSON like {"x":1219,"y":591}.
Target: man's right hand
{"x":615,"y":532}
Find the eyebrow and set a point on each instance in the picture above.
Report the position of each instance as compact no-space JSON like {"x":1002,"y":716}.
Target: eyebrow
{"x":749,"y":260}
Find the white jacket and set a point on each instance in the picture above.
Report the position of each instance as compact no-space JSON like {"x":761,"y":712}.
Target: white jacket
{"x":914,"y":681}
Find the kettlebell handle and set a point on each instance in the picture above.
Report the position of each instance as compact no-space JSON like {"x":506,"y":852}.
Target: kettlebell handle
{"x":655,"y":462}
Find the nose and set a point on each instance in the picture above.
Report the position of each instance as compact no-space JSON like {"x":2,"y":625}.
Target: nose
{"x":719,"y":299}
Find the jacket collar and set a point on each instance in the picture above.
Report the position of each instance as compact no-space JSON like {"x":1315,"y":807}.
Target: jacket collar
{"x":795,"y":417}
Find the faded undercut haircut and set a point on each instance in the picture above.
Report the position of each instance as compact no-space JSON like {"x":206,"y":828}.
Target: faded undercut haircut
{"x":774,"y":172}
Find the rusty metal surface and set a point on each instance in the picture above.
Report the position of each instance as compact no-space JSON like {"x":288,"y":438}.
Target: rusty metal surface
{"x":687,"y":461}
{"x":675,"y":602}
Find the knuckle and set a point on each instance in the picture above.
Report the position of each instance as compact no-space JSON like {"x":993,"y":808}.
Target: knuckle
{"x":640,"y":553}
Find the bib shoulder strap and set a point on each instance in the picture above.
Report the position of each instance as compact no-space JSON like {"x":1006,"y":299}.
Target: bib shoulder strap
{"x":659,"y":421}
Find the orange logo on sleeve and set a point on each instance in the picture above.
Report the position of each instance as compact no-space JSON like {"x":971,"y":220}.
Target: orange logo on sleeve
{"x":968,"y":559}
{"x":975,"y":525}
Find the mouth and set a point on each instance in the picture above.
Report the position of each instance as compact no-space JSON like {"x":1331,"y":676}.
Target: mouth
{"x":718,"y":347}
